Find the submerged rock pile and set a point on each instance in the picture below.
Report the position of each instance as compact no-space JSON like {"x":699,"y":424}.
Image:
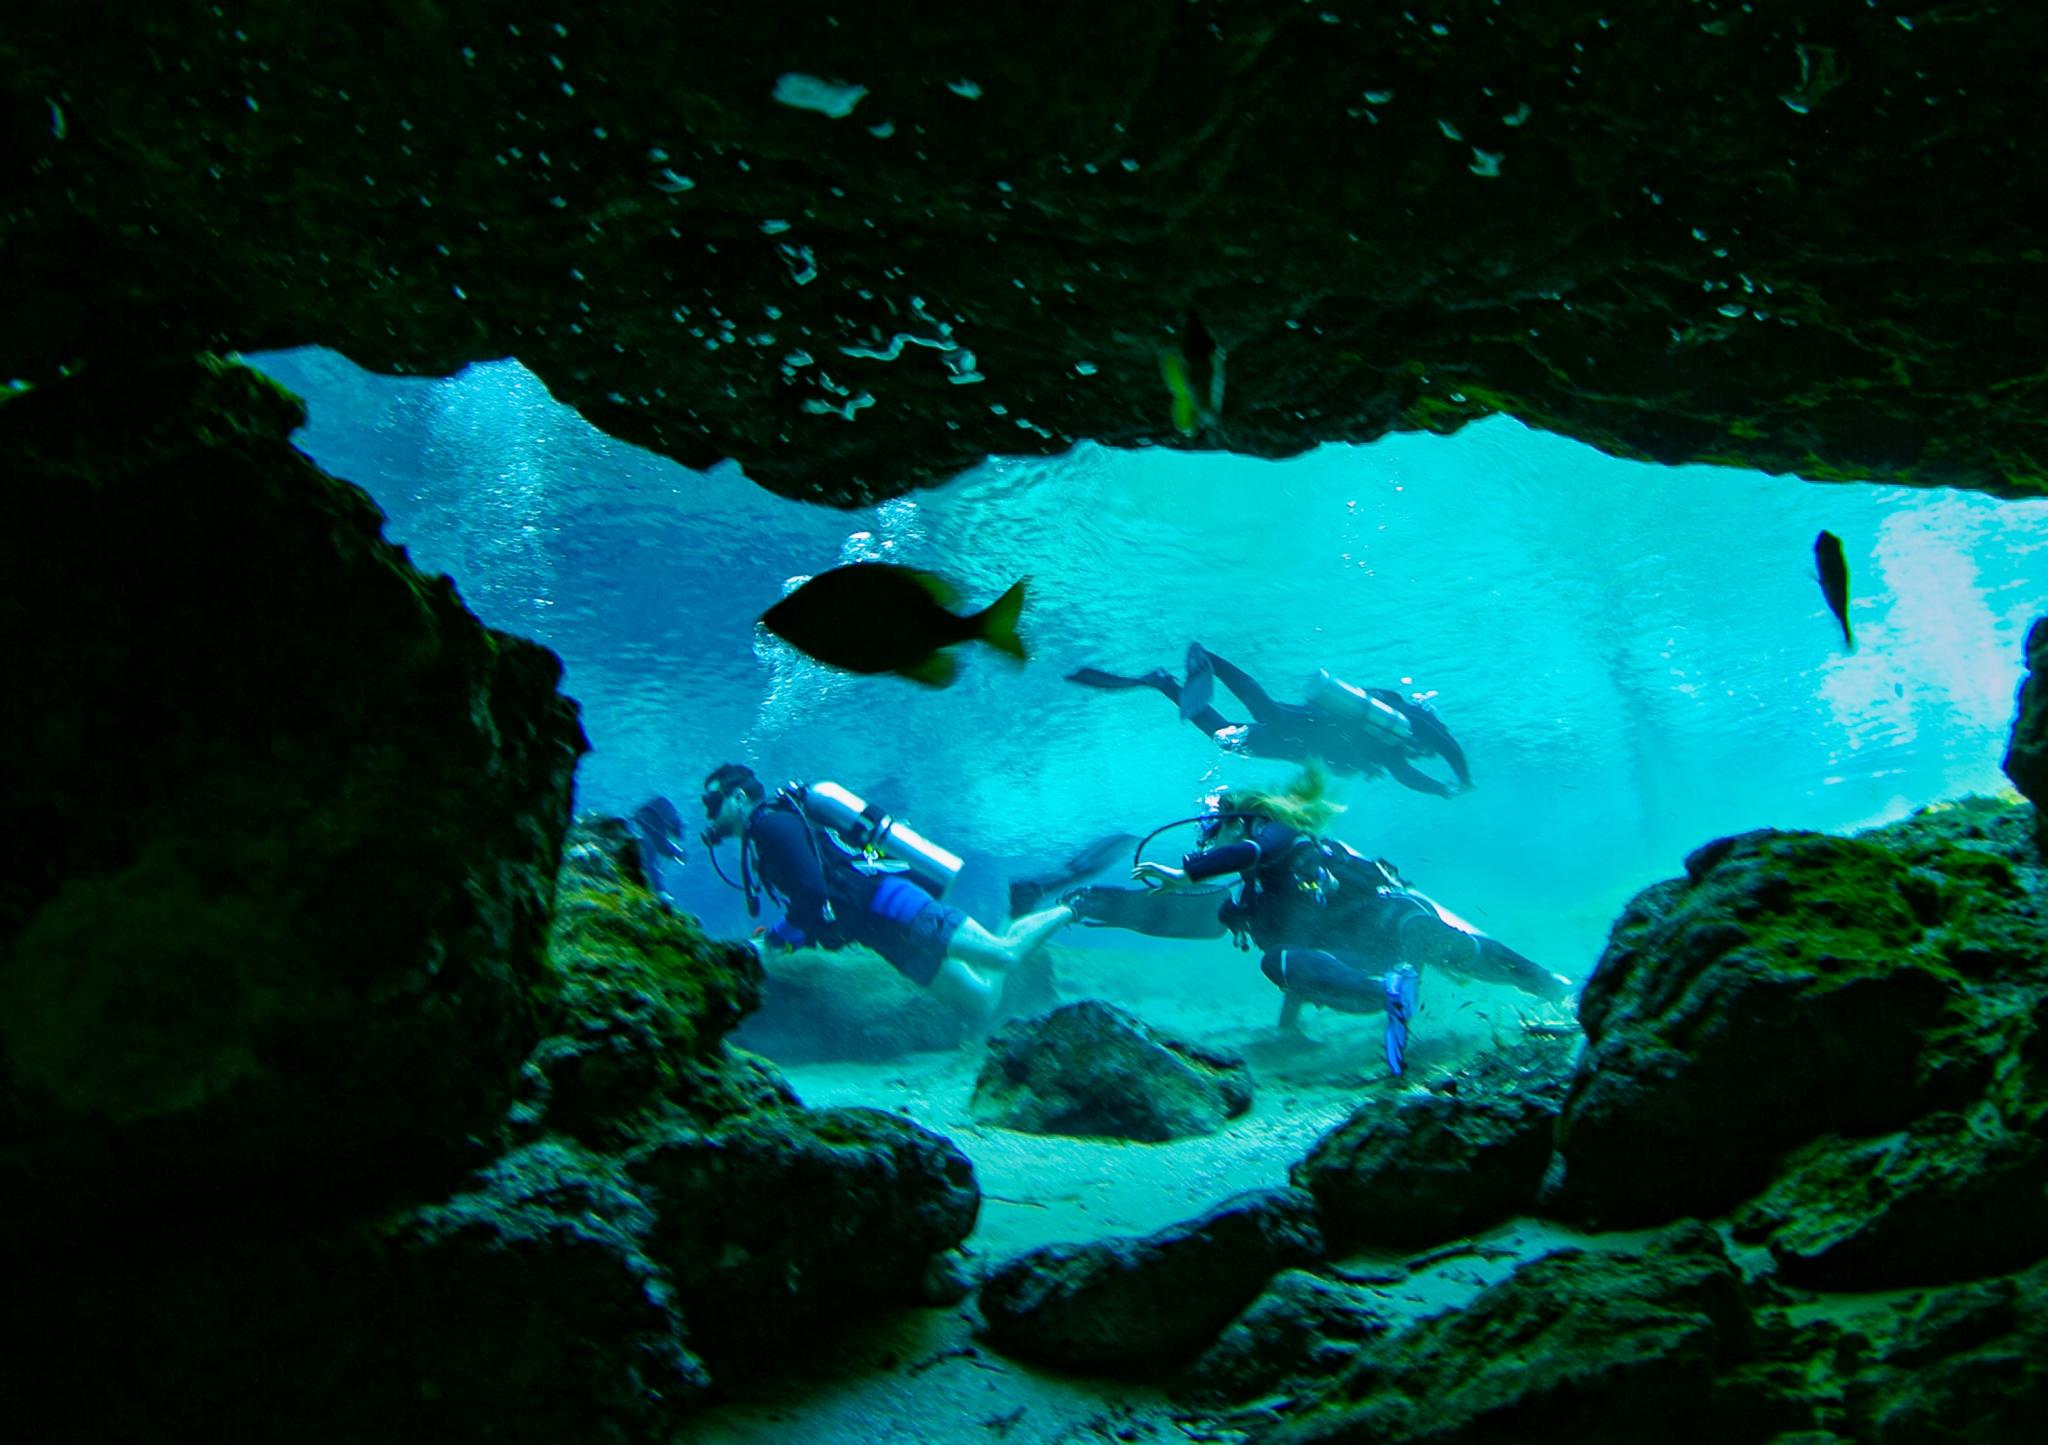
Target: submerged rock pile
{"x":340,"y":1098}
{"x":1828,"y":1049}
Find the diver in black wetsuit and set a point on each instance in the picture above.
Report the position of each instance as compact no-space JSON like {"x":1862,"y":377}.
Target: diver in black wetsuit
{"x":833,"y":896}
{"x":1354,"y":730}
{"x":1337,"y":929}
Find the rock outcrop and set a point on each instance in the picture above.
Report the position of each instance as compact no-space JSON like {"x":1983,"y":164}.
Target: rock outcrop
{"x":281,"y":820}
{"x":1425,"y":1167}
{"x":2026,"y":757}
{"x":1092,"y":1070}
{"x":859,"y":252}
{"x":340,"y":1098}
{"x":1788,"y":987}
{"x":1897,"y":1285}
{"x":1142,"y":1306}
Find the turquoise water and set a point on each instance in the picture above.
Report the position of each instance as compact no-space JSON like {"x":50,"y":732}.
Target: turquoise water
{"x":1635,"y":658}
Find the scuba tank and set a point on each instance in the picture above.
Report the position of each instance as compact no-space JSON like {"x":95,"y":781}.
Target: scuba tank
{"x":871,"y":830}
{"x":1387,"y":724}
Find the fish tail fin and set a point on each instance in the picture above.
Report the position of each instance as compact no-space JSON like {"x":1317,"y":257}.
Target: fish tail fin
{"x":996,"y":624}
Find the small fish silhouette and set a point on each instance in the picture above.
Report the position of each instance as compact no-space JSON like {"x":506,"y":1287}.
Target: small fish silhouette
{"x":1834,"y":581}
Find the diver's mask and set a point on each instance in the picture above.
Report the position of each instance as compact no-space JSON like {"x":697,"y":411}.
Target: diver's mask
{"x":1214,"y":816}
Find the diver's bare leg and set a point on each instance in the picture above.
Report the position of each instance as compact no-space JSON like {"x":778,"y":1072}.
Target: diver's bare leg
{"x":981,"y":950}
{"x":967,"y":991}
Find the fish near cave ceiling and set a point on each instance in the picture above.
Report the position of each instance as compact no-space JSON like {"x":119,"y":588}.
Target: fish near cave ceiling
{"x":859,"y":246}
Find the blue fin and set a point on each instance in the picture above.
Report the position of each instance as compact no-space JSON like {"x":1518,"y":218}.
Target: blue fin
{"x":1400,"y":986}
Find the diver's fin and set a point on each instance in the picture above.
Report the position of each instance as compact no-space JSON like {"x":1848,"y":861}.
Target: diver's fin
{"x":1200,"y":688}
{"x":938,"y":670}
{"x":1401,"y":985}
{"x":1155,"y":912}
{"x":997,"y":623}
{"x":1096,"y":677}
{"x":1026,"y":893}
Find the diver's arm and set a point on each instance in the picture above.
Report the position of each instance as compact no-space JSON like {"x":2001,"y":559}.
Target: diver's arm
{"x":1163,"y":876}
{"x":1239,"y":857}
{"x":788,"y":863}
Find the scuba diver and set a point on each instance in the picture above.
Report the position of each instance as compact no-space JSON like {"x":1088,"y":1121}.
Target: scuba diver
{"x":1337,"y":929}
{"x":846,"y":872}
{"x":1354,"y":730}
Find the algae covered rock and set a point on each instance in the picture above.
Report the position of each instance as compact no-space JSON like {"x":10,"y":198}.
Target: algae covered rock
{"x":1957,"y":1196}
{"x":2026,"y":756}
{"x":849,"y":1003}
{"x":1300,"y":1332}
{"x":1787,"y":987}
{"x":1427,"y":1167}
{"x":1092,"y":1070}
{"x":281,"y":818}
{"x":778,"y":1219}
{"x":1143,"y":1306}
{"x":635,"y":998}
{"x":1585,"y":1346}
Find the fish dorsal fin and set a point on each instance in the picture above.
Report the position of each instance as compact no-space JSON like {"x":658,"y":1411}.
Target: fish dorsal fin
{"x":938,"y":670}
{"x":936,"y":587}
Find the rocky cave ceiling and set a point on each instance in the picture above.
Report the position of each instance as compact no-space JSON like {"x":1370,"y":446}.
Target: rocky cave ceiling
{"x":1797,"y":236}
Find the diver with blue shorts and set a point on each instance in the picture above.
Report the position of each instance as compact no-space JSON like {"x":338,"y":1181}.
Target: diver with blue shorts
{"x":1353,"y":730}
{"x":846,"y":873}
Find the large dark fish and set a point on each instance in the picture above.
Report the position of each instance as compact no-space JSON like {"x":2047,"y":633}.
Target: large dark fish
{"x":1834,"y":581}
{"x":871,"y":617}
{"x":1027,"y":893}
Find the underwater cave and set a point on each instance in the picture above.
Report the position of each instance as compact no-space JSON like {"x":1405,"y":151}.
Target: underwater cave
{"x":1603,"y":996}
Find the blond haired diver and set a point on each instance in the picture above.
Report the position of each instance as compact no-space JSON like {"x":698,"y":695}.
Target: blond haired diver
{"x":1335,"y":928}
{"x":847,"y":873}
{"x":1354,"y":730}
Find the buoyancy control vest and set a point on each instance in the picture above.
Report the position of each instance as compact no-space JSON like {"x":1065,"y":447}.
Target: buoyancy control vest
{"x":855,"y":845}
{"x":1314,"y":892}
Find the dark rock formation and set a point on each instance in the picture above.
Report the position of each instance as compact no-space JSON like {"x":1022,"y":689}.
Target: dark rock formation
{"x":1142,"y":1306}
{"x":2026,"y":758}
{"x":846,"y":1004}
{"x":1969,"y":1363}
{"x":777,"y":1221}
{"x":1790,"y":986}
{"x":280,"y":819}
{"x":1583,"y":1346}
{"x":1091,"y":1070}
{"x":278,"y":968}
{"x":1294,"y":1339}
{"x":1955,"y":1197}
{"x":1429,"y":1168}
{"x":1789,"y":237}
